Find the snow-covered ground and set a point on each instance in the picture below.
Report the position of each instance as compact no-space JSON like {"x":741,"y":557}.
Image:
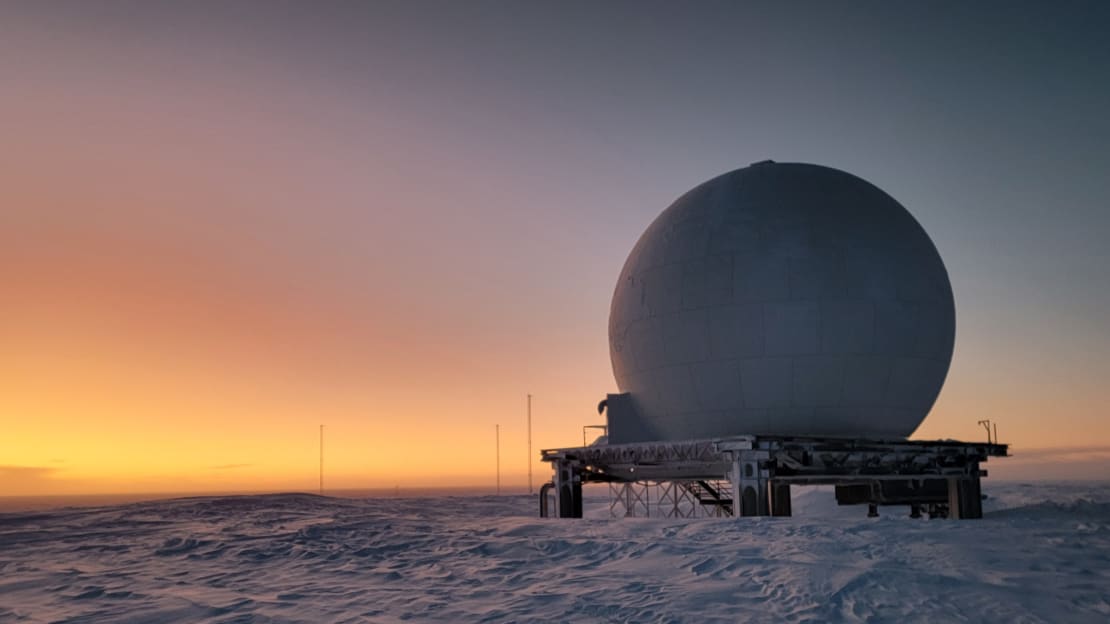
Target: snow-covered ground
{"x":1041,"y":554}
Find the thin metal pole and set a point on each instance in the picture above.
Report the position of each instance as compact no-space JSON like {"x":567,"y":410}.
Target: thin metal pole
{"x":529,"y":444}
{"x":321,"y":460}
{"x":497,"y":438}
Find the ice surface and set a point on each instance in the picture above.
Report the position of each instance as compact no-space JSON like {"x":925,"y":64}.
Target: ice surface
{"x":1041,"y":554}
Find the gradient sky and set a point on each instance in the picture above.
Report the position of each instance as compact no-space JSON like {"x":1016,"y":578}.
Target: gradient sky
{"x":223,"y":224}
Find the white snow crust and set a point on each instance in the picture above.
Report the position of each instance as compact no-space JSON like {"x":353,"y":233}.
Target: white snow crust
{"x":1041,"y":554}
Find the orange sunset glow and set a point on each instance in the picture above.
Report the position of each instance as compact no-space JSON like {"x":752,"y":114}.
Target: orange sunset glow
{"x":218,"y":234}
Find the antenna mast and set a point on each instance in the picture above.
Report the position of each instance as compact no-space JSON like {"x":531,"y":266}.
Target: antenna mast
{"x":986,"y":424}
{"x":529,"y":444}
{"x":321,"y":460}
{"x":497,"y":447}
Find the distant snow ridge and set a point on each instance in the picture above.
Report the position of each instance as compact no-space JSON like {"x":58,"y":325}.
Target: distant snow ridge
{"x":1041,"y":554}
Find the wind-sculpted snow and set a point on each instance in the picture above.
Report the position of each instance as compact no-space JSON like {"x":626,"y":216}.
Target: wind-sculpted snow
{"x":1041,"y":554}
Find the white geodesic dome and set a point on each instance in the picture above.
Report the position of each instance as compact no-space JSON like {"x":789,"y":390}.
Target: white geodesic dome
{"x":786,"y":299}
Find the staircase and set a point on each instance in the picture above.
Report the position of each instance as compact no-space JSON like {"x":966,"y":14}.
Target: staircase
{"x":711,"y":495}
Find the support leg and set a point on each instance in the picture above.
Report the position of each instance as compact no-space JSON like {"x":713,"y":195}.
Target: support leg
{"x":750,"y":484}
{"x":964,"y":498}
{"x":568,"y":490}
{"x":780,"y":499}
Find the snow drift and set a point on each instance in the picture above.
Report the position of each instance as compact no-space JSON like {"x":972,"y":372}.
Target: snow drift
{"x":1041,"y":554}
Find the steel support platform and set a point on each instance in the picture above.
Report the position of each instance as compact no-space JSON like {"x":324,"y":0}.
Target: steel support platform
{"x":752,"y":475}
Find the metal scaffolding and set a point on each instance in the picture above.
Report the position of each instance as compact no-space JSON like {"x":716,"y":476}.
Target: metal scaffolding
{"x":752,"y":475}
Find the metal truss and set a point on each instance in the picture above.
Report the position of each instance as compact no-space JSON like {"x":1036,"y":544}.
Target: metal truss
{"x":669,"y":499}
{"x":629,"y":499}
